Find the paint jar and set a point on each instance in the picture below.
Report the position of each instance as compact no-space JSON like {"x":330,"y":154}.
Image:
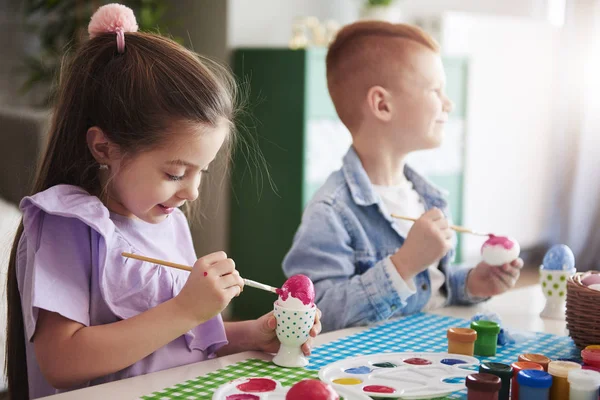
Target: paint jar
{"x":502,"y":371}
{"x":534,"y":384}
{"x":583,"y":384}
{"x":591,"y":357}
{"x":536,"y":358}
{"x":461,"y":341}
{"x":487,"y":337}
{"x":521,"y":366}
{"x":560,"y":385}
{"x":482,"y":387}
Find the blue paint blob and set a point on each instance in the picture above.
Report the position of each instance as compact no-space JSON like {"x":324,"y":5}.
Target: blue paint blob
{"x":358,"y":370}
{"x":452,"y":361}
{"x":455,"y":380}
{"x":469,"y":367}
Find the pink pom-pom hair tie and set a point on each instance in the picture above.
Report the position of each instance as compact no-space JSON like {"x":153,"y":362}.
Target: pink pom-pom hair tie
{"x":113,"y":18}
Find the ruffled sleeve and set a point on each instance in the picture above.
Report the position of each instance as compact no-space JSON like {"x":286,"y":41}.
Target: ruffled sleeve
{"x":68,"y":236}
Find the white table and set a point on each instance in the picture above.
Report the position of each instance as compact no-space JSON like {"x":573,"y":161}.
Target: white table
{"x":518,"y":309}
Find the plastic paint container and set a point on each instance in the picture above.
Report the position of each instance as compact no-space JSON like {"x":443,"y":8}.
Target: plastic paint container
{"x":560,"y":385}
{"x":521,"y":366}
{"x":534,"y":384}
{"x":487,"y":337}
{"x":536,"y":358}
{"x":583,"y":384}
{"x":461,"y":341}
{"x":502,"y":371}
{"x":482,"y":387}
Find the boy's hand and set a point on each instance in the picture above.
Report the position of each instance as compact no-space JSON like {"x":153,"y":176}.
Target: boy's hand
{"x":266,"y":338}
{"x":485,"y":280}
{"x":429,"y":239}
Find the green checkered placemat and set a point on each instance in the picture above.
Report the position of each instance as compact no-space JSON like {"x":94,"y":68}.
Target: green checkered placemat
{"x":203,"y":387}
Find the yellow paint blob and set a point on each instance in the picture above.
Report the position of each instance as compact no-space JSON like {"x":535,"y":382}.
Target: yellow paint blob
{"x":347,"y":381}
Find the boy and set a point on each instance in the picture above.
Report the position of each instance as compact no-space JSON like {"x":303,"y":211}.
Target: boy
{"x":387,"y":84}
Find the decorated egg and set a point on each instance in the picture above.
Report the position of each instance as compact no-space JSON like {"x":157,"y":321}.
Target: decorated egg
{"x":559,"y":257}
{"x":311,"y":389}
{"x":593,"y":279}
{"x":499,"y":250}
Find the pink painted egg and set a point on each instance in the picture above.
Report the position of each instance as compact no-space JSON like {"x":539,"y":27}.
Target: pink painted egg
{"x":311,"y":389}
{"x":593,"y":279}
{"x":500,"y":250}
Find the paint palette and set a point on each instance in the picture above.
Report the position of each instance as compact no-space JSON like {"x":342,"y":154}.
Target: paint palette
{"x":401,"y":375}
{"x":264,"y":388}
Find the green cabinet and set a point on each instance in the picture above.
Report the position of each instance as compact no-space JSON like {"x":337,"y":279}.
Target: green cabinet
{"x":291,"y":119}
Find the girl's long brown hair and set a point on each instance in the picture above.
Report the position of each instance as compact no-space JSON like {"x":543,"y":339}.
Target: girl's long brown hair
{"x":132,"y":97}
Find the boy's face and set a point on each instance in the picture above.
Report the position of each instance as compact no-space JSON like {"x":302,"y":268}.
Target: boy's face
{"x":419,"y":103}
{"x":150,"y":185}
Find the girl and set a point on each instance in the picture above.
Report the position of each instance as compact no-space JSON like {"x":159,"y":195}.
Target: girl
{"x":137,"y":122}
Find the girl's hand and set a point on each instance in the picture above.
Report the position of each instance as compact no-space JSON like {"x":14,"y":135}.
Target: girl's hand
{"x":212,"y":284}
{"x":266,"y":338}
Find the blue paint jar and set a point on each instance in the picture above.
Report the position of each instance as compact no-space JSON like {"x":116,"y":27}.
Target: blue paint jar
{"x":534,"y":385}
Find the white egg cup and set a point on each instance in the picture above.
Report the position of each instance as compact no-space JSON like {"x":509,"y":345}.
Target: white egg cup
{"x":293,"y":329}
{"x":554,"y":287}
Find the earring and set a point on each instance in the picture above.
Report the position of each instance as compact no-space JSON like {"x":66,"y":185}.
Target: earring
{"x":103,"y":167}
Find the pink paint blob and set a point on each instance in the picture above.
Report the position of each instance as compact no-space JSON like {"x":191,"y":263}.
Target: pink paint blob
{"x":311,"y":389}
{"x":299,"y":287}
{"x":205,"y":273}
{"x":242,"y":397}
{"x":498,"y":241}
{"x":257,"y":385}
{"x":417,"y":361}
{"x":379,"y":389}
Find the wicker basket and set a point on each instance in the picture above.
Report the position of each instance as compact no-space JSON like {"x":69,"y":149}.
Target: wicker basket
{"x":583,"y":311}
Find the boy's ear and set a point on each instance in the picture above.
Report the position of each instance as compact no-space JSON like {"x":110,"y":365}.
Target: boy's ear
{"x":379,"y":103}
{"x":103,"y":150}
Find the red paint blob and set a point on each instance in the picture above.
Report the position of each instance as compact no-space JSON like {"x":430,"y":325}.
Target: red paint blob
{"x":205,"y":273}
{"x":499,"y":241}
{"x":311,"y":389}
{"x":242,"y":397}
{"x":257,"y":385}
{"x":417,"y":361}
{"x":299,"y":287}
{"x":379,"y":389}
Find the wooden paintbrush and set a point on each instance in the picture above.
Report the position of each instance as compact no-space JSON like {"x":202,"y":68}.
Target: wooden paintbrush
{"x":248,"y":282}
{"x":456,"y":228}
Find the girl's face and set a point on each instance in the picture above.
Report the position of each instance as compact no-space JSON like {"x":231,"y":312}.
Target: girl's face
{"x":151,"y":184}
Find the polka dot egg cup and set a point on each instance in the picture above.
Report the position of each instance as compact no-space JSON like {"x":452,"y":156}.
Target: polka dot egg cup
{"x":554,"y":287}
{"x":293,"y":327}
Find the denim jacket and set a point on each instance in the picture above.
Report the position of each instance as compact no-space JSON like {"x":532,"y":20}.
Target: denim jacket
{"x":342,"y":245}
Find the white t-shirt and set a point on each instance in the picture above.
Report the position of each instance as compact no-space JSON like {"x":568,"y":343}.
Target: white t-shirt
{"x":403,"y":199}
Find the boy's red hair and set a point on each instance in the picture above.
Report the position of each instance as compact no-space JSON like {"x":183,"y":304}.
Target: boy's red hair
{"x":365,"y":54}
